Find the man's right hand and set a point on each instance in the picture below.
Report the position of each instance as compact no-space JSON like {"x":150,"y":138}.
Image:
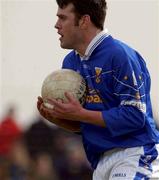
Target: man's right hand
{"x":73,"y":126}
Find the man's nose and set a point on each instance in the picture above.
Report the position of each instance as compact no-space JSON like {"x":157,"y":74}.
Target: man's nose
{"x":57,"y":26}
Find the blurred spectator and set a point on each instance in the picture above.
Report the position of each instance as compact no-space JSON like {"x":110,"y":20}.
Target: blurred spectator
{"x":44,"y":169}
{"x":20,"y":164}
{"x":39,"y":142}
{"x":77,"y":164}
{"x":9,"y":132}
{"x":69,"y":157}
{"x":10,"y":135}
{"x":39,"y":138}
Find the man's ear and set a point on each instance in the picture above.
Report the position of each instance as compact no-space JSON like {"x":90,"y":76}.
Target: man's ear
{"x":84,"y":21}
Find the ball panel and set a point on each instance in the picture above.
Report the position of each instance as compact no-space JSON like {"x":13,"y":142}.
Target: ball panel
{"x":65,"y":80}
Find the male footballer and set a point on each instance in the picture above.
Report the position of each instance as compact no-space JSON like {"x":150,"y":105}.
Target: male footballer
{"x":116,"y":122}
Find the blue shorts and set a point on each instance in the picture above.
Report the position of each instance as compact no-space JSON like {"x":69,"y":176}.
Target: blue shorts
{"x":137,"y":163}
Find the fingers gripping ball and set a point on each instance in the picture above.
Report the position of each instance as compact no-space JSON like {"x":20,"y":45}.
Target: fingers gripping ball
{"x":60,"y":81}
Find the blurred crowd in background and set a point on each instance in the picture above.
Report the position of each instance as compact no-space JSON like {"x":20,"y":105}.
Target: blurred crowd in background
{"x":40,"y":152}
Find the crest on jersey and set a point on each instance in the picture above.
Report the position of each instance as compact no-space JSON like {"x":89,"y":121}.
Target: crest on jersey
{"x":98,"y":71}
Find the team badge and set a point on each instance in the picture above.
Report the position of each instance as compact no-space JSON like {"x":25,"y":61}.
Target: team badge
{"x":98,"y":73}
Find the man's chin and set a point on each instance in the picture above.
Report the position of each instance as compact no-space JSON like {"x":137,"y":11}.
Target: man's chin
{"x":64,"y":46}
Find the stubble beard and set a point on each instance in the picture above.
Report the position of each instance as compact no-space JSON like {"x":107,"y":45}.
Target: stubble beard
{"x":66,"y":45}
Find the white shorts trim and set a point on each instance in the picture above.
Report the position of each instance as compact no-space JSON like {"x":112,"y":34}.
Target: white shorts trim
{"x":128,"y":164}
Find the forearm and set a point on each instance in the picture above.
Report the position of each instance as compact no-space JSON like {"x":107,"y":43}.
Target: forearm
{"x":92,"y":117}
{"x":73,"y":111}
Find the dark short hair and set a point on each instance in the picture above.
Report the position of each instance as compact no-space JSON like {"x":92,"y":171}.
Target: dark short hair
{"x":96,"y":9}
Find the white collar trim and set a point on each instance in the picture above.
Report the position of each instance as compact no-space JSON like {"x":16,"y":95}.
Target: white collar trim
{"x":94,"y":43}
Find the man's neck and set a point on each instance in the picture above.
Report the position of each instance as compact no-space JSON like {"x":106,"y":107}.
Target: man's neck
{"x":87,"y":38}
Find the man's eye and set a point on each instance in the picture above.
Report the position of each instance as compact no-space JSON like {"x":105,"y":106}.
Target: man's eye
{"x":62,"y":17}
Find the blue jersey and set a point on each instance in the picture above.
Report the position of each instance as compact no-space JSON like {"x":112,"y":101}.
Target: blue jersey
{"x":118,"y":85}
